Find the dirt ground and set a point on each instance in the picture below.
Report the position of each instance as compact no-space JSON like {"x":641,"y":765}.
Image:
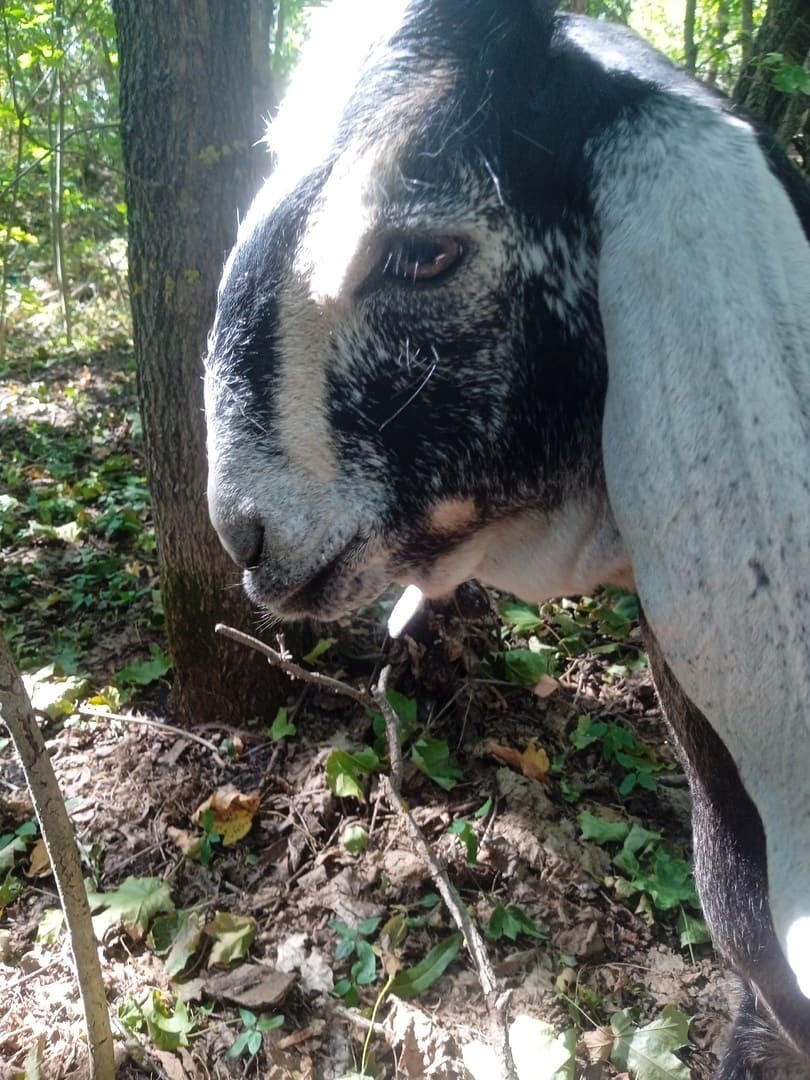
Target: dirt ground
{"x":134,"y":788}
{"x":588,"y":953}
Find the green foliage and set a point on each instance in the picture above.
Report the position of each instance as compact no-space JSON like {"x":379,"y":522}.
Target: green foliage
{"x":352,"y":942}
{"x":210,"y":837}
{"x":346,"y":771}
{"x":168,"y":1022}
{"x":466,"y":834}
{"x":432,"y":757}
{"x":410,"y":982}
{"x":144,"y":672}
{"x":59,"y":113}
{"x":177,"y":937}
{"x":131,"y":907}
{"x":620,"y":747}
{"x":648,"y":1052}
{"x":788,"y":77}
{"x":510,"y":922}
{"x":645,"y":865}
{"x":540,"y":642}
{"x":231,"y":937}
{"x":249,"y":1041}
{"x":78,"y":544}
{"x":281,"y":727}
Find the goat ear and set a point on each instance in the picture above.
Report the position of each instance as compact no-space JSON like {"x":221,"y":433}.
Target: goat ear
{"x":704,"y":291}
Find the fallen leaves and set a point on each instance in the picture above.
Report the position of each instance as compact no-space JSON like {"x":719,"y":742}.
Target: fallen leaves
{"x":533,"y":762}
{"x":231,"y":813}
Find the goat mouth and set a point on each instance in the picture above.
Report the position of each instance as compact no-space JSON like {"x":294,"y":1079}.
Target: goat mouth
{"x":331,"y":591}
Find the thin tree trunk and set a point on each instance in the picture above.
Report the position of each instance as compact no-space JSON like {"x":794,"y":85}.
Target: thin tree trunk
{"x":57,"y":139}
{"x":746,"y":30}
{"x":57,"y":832}
{"x":187,"y":128}
{"x":689,"y":45}
{"x":719,"y":31}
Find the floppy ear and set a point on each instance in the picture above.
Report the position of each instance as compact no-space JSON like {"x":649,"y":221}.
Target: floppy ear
{"x":704,"y":292}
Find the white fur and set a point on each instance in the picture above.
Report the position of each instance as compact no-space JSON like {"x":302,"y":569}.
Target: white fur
{"x":538,"y":555}
{"x":707,"y":450}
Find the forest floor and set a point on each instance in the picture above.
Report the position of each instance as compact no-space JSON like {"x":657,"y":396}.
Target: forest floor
{"x":536,"y":765}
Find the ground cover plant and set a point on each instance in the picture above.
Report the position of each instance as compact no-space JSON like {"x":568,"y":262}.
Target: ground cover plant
{"x":260,"y":907}
{"x":256,"y":898}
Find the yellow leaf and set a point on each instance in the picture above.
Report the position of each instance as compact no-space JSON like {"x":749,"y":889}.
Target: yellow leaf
{"x":232,"y":813}
{"x":532,"y":762}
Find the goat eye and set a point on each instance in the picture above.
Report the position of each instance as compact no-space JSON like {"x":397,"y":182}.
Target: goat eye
{"x":421,"y":258}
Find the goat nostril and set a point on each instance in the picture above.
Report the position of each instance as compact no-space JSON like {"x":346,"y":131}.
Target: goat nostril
{"x":244,"y":543}
{"x":251,"y":551}
{"x":252,"y":560}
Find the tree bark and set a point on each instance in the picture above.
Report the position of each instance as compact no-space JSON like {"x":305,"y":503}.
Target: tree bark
{"x":785,"y":29}
{"x":188,"y":125}
{"x":57,"y":832}
{"x":689,"y":45}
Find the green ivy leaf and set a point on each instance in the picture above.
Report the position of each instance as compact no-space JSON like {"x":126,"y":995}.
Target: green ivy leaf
{"x":510,"y":922}
{"x":281,"y":726}
{"x":600,"y":830}
{"x":432,"y":757}
{"x":232,"y":936}
{"x":526,"y":667}
{"x":648,"y":1052}
{"x":144,"y":672}
{"x":412,"y":981}
{"x":176,"y":936}
{"x":131,"y":906}
{"x":169,"y":1025}
{"x":466,"y":834}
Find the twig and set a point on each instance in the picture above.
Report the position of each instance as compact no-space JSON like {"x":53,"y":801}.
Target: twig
{"x":334,"y":686}
{"x":379,"y":692}
{"x":60,"y":842}
{"x":391,"y":787}
{"x":496,"y":1003}
{"x":130,"y":718}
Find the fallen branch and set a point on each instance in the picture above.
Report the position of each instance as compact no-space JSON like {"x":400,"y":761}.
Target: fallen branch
{"x":295,"y":671}
{"x":60,"y":842}
{"x":159,"y":725}
{"x":391,"y":786}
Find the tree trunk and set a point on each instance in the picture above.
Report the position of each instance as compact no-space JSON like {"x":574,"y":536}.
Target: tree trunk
{"x":187,"y":123}
{"x":747,"y":30}
{"x":56,"y":125}
{"x":689,"y":45}
{"x":785,"y":30}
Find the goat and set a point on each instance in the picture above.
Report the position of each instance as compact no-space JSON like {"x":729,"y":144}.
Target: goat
{"x":522,"y":301}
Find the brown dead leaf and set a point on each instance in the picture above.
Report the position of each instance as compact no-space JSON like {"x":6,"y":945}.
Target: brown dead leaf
{"x":253,"y":986}
{"x":232,"y":813}
{"x":599,"y":1043}
{"x":533,"y":762}
{"x":39,"y":865}
{"x":302,"y":1035}
{"x":187,"y":843}
{"x":545,"y":687}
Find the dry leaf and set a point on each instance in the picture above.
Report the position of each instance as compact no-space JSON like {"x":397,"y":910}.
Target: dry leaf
{"x":599,"y":1043}
{"x":232,"y":813}
{"x":532,"y":762}
{"x":39,"y":865}
{"x":545,"y":687}
{"x":187,"y":843}
{"x":254,"y":986}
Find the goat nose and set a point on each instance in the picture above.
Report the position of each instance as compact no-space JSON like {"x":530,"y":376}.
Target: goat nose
{"x":243,"y":540}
